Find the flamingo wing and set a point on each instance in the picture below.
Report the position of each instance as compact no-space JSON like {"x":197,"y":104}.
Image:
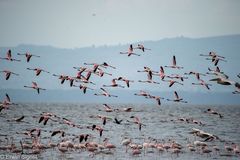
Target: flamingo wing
{"x":176,"y":95}
{"x":8,"y":98}
{"x":9,"y":54}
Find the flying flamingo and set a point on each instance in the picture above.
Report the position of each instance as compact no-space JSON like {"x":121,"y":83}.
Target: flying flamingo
{"x":161,"y":73}
{"x":212,"y":54}
{"x":174,"y":64}
{"x":125,"y":80}
{"x":37,"y":70}
{"x":217,"y":71}
{"x":157,"y":98}
{"x":85,"y":79}
{"x":149,"y":75}
{"x":83,"y":87}
{"x":107,"y":108}
{"x":104,"y":93}
{"x":100,"y":73}
{"x":28,"y":55}
{"x":130,"y":51}
{"x":172,"y":82}
{"x":95,"y":66}
{"x":141,"y":46}
{"x":61,"y":77}
{"x":177,"y":76}
{"x":114,"y":84}
{"x":6,"y":102}
{"x":142,"y":93}
{"x":107,"y":65}
{"x":203,"y":83}
{"x":9,"y":56}
{"x":35,"y":86}
{"x":8,"y":74}
{"x":194,"y":73}
{"x":177,"y":99}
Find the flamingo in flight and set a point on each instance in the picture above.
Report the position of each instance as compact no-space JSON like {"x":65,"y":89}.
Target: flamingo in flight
{"x":157,"y":98}
{"x":107,"y":108}
{"x":177,"y":76}
{"x":142,"y":93}
{"x":212,"y":54}
{"x":217,"y":71}
{"x":37,"y":70}
{"x":104,"y":93}
{"x":114,"y":84}
{"x":216,"y":60}
{"x":35,"y":86}
{"x":61,"y":77}
{"x":28,"y":55}
{"x":105,"y":64}
{"x":172,"y":82}
{"x":174,"y":64}
{"x":203,"y":83}
{"x":177,"y":99}
{"x":130,"y":51}
{"x":100,"y":73}
{"x":9,"y":56}
{"x":149,"y":75}
{"x":194,"y":73}
{"x":85,"y":79}
{"x":127,"y":81}
{"x":95,"y":66}
{"x":223,"y":80}
{"x":83,"y":88}
{"x":6,"y":102}
{"x":8,"y":74}
{"x":141,"y":46}
{"x":214,"y":57}
{"x":161,"y":73}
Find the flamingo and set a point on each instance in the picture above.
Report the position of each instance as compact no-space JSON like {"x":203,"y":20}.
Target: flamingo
{"x":37,"y":70}
{"x":98,"y":128}
{"x":194,"y":73}
{"x":223,"y":80}
{"x":126,"y":142}
{"x":141,"y":46}
{"x":86,"y":78}
{"x":100,"y":73}
{"x":28,"y":55}
{"x":174,"y":64}
{"x":117,"y":121}
{"x":6,"y":102}
{"x":83,"y":88}
{"x":138,"y":122}
{"x":114,"y":84}
{"x":105,"y":93}
{"x":177,"y":99}
{"x":217,"y":71}
{"x":211,"y":111}
{"x":157,"y":98}
{"x":8,"y":74}
{"x":130,"y":51}
{"x":107,"y":65}
{"x":172,"y":82}
{"x":95,"y":66}
{"x":142,"y":93}
{"x":203,"y":83}
{"x":61,"y":77}
{"x":127,"y":81}
{"x":149,"y":76}
{"x":107,"y":108}
{"x":161,"y":73}
{"x":215,"y":60}
{"x":177,"y":76}
{"x":212,"y":54}
{"x":108,"y":145}
{"x":9,"y":56}
{"x":35,"y":86}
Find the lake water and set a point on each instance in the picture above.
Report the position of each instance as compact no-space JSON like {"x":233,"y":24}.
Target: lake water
{"x":159,"y":123}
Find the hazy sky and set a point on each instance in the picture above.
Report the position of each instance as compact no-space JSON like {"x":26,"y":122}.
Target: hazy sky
{"x":78,"y":23}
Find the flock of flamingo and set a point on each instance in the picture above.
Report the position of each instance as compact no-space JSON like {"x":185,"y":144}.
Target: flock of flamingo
{"x":86,"y":143}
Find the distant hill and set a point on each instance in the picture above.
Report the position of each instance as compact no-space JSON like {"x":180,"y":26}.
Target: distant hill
{"x":187,"y":50}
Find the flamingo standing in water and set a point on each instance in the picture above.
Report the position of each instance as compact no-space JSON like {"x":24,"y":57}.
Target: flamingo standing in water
{"x":8,"y":74}
{"x":37,"y":70}
{"x":141,"y":46}
{"x":130,"y":51}
{"x":177,"y":99}
{"x":35,"y":86}
{"x":127,"y":81}
{"x":114,"y":84}
{"x":28,"y":55}
{"x":174,"y":64}
{"x":9,"y":56}
{"x":104,"y":93}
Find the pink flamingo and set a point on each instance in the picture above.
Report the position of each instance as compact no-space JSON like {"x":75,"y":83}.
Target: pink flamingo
{"x":28,"y":55}
{"x":174,"y":64}
{"x":37,"y":70}
{"x":35,"y":86}
{"x":8,"y":74}
{"x":9,"y":56}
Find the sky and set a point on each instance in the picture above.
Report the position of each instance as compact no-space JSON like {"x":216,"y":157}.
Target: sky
{"x":80,"y":23}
